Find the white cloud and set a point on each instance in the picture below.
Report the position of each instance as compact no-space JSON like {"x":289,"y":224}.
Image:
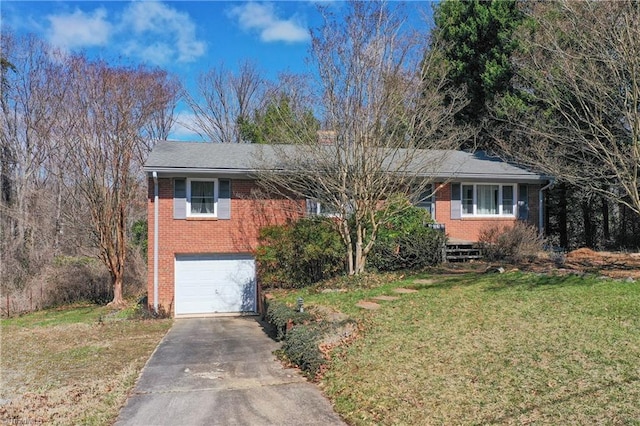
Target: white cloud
{"x":149,"y":30}
{"x":175,"y":29}
{"x":79,"y":29}
{"x":262,"y":17}
{"x":155,"y":53}
{"x":185,"y":128}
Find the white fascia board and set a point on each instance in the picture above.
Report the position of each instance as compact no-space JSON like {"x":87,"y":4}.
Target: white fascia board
{"x":479,"y":177}
{"x":184,"y":171}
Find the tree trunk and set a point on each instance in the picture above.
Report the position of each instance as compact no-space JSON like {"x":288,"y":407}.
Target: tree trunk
{"x":359,"y":266}
{"x":346,"y":236}
{"x":588,"y":224}
{"x":118,"y":299}
{"x":562,"y":217}
{"x":606,"y":232}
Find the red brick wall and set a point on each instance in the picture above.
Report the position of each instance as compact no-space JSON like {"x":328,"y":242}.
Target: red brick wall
{"x":250,"y":213}
{"x":203,"y":235}
{"x":469,"y":228}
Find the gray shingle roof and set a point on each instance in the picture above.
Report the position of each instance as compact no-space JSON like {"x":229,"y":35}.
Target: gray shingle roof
{"x":199,"y":157}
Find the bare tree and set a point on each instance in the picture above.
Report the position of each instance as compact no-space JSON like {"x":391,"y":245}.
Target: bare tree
{"x":224,"y":98}
{"x":73,"y":137}
{"x":31,"y":102}
{"x":162,"y":121}
{"x":580,"y":79}
{"x":110,"y":108}
{"x":381,"y":101}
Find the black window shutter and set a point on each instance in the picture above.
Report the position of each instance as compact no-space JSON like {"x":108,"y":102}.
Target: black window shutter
{"x":456,"y":201}
{"x":180,"y":198}
{"x":224,"y":199}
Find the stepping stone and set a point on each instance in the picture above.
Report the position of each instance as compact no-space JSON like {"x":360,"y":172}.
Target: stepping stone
{"x":404,"y":290}
{"x":424,"y":281}
{"x":367,"y":305}
{"x":386,"y":298}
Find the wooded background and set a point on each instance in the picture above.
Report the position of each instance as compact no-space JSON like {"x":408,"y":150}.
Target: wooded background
{"x":552,"y":86}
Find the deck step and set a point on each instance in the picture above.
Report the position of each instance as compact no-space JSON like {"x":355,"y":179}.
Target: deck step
{"x":462,"y":252}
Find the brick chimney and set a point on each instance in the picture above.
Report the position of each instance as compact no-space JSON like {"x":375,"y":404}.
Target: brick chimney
{"x":326,"y":137}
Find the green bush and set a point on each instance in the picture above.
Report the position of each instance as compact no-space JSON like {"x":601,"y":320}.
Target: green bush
{"x":280,"y":314}
{"x":140,"y":237}
{"x":301,"y":347}
{"x":406,"y":241}
{"x":299,"y":253}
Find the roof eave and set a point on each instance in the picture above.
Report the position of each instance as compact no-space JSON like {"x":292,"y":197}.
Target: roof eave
{"x":446,"y":177}
{"x":197,"y":170}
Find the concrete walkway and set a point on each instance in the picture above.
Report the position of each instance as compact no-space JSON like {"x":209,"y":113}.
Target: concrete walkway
{"x":221,"y":371}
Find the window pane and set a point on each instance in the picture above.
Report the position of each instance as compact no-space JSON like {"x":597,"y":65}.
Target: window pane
{"x":488,"y":199}
{"x":326,"y":209}
{"x":202,"y":197}
{"x":312,"y":207}
{"x":425,"y":199}
{"x":467,"y":199}
{"x":507,"y":199}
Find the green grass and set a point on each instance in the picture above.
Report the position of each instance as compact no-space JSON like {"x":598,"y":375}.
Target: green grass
{"x":490,"y":349}
{"x":79,"y":313}
{"x":74,"y":364}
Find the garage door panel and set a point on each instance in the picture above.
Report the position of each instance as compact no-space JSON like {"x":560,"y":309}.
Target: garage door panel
{"x":215,"y":283}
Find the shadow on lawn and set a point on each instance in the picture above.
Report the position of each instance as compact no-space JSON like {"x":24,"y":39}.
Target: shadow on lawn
{"x":538,"y":282}
{"x":448,"y":281}
{"x":512,"y":415}
{"x":501,"y":282}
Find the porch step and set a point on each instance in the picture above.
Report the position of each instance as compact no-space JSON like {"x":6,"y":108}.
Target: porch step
{"x":462,"y":252}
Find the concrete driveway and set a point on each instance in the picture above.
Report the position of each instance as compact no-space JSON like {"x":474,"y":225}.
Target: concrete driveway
{"x":221,"y":371}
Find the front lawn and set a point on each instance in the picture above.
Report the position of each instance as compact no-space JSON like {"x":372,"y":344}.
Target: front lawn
{"x":72,"y":365}
{"x":508,"y":348}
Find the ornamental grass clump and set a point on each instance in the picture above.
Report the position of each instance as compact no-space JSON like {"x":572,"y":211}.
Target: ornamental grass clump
{"x":518,"y":243}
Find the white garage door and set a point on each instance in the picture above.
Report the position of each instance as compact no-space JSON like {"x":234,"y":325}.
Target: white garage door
{"x":220,"y":283}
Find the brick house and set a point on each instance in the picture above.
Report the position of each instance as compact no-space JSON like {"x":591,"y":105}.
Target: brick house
{"x":204,"y":217}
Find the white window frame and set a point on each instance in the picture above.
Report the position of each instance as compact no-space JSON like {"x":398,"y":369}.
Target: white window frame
{"x":319,"y":210}
{"x":215,"y":197}
{"x":500,"y":186}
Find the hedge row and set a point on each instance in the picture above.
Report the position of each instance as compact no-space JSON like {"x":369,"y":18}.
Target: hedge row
{"x":301,"y":335}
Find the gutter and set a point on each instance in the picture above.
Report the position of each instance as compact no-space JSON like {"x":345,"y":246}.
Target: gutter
{"x":541,"y":206}
{"x":475,"y":177}
{"x":155,"y":241}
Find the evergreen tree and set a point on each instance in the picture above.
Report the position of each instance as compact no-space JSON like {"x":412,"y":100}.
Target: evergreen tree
{"x":279,"y":123}
{"x":476,"y":40}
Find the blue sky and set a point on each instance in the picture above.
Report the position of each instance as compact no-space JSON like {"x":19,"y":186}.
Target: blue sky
{"x":184,"y":37}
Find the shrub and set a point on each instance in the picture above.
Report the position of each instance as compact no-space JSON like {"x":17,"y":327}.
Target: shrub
{"x":299,"y":253}
{"x":140,"y":237}
{"x":280,"y":315}
{"x":301,"y":336}
{"x":301,"y":347}
{"x":406,"y":241}
{"x":74,"y":279}
{"x":516,"y":243}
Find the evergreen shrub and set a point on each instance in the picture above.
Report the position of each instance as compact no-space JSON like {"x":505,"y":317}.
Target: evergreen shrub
{"x":299,"y":253}
{"x":406,"y":241}
{"x":301,"y":347}
{"x":280,"y":314}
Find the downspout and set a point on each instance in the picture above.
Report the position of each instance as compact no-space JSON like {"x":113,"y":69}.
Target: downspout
{"x":155,"y":242}
{"x":541,"y":206}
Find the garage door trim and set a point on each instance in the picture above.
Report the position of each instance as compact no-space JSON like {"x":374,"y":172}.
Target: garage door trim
{"x":214,"y":284}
